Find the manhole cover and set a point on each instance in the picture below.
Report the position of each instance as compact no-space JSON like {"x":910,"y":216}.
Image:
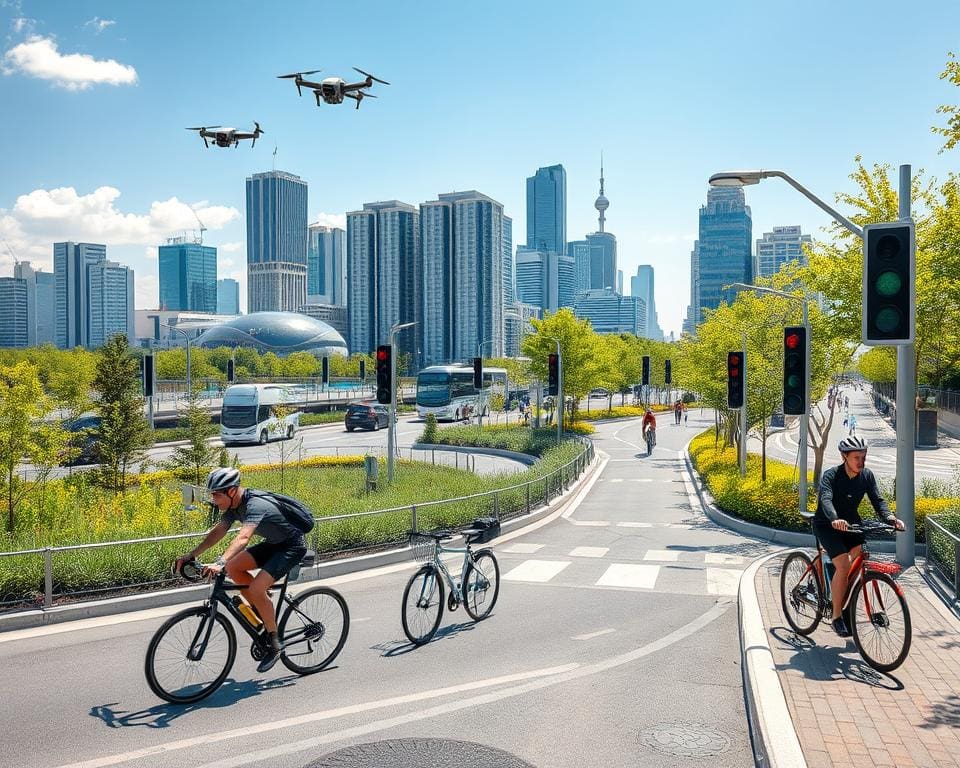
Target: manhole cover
{"x":419,"y":753}
{"x":685,"y":739}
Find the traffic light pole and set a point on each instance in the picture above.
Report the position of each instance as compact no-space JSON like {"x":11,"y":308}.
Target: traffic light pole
{"x":743,"y":413}
{"x":392,"y":426}
{"x":805,"y":419}
{"x":906,"y":415}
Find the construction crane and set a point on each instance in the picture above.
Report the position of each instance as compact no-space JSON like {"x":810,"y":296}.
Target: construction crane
{"x":13,"y":256}
{"x":202,"y":228}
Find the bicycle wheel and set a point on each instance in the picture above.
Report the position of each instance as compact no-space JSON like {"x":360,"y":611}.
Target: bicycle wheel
{"x":881,"y":622}
{"x":800,"y":593}
{"x":422,"y":605}
{"x":178,"y":679}
{"x":481,"y":585}
{"x":313,"y":630}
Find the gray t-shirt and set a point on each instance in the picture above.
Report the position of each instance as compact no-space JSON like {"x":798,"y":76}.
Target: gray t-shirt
{"x":271,"y":523}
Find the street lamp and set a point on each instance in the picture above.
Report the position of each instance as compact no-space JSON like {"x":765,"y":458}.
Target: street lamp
{"x":560,"y":403}
{"x":480,"y":355}
{"x":186,"y":337}
{"x":391,"y":428}
{"x":805,"y":421}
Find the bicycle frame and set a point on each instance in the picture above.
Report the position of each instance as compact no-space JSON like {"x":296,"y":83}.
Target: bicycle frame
{"x":455,"y":587}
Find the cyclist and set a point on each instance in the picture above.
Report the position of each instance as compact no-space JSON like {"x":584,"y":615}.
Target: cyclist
{"x":649,"y":422}
{"x":842,"y":488}
{"x":283,"y":546}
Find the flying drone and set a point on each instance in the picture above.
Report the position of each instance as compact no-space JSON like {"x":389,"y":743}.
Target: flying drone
{"x":224,"y":137}
{"x":333,"y":90}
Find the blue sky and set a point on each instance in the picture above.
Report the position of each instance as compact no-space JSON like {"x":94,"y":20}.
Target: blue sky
{"x":480,"y":96}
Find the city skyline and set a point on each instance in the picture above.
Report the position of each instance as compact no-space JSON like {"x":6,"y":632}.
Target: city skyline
{"x":686,"y":122}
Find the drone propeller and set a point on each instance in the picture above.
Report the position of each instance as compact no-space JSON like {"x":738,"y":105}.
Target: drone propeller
{"x":204,"y":128}
{"x":367,"y":74}
{"x":298,"y":74}
{"x":258,"y":130}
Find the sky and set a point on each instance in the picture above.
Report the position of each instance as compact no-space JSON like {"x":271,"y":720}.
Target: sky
{"x":95,"y":97}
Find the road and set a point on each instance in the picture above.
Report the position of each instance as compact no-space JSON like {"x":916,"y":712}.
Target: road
{"x":614,"y":643}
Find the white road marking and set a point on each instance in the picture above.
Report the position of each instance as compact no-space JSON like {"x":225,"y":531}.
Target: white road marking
{"x":664,"y":555}
{"x":718,"y":558}
{"x":645,"y":480}
{"x":615,"y":480}
{"x":592,"y":523}
{"x":589,"y":551}
{"x":521,"y":549}
{"x":681,"y":526}
{"x":629,"y":575}
{"x":591,"y":635}
{"x":634,"y":525}
{"x":723,"y":581}
{"x":536,"y":570}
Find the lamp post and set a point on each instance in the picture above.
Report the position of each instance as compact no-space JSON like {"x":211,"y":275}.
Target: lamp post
{"x":805,"y":421}
{"x":560,"y":402}
{"x":186,"y":337}
{"x":480,"y":355}
{"x":391,"y":428}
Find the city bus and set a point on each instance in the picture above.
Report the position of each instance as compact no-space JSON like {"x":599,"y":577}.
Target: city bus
{"x":448,"y":393}
{"x":248,"y":414}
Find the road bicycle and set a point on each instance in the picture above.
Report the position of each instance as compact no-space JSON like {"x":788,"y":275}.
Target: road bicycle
{"x":477,"y":588}
{"x":650,"y":435}
{"x":874,"y":606}
{"x":191,"y":654}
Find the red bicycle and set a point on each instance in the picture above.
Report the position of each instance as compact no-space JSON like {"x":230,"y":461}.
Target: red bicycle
{"x":874,"y":606}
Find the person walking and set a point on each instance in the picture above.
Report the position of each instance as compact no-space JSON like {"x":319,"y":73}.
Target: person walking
{"x":852,"y":421}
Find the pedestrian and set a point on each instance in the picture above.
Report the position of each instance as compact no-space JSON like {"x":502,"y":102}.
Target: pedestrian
{"x":684,"y":405}
{"x":853,"y":425}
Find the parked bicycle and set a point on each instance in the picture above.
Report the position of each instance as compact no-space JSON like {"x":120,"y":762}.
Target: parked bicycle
{"x":191,"y":654}
{"x":477,"y":588}
{"x":874,"y":606}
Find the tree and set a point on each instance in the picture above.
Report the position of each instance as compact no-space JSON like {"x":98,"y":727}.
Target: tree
{"x":193,"y":460}
{"x":951,"y":131}
{"x":879,"y":364}
{"x":301,"y":365}
{"x":71,"y":379}
{"x":124,"y":431}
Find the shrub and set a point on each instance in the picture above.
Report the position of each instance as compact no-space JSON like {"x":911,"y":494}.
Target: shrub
{"x":621,"y":412}
{"x":580,"y":428}
{"x":430,"y":430}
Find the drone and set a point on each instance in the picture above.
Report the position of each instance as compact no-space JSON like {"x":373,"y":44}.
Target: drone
{"x":334,"y":89}
{"x":224,"y":137}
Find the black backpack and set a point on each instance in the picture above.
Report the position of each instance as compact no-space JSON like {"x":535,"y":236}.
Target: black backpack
{"x":296,"y":512}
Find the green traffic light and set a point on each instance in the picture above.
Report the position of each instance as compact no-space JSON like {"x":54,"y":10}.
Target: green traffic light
{"x":888,"y":284}
{"x":888,"y":319}
{"x":793,"y":380}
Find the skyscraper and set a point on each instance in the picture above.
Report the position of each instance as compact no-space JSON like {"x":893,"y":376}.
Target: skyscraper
{"x":276,"y":242}
{"x":509,"y":270}
{"x":723,"y":248}
{"x":545,"y":279}
{"x":188,"y":276}
{"x":228,"y":297}
{"x":13,"y":310}
{"x":547,"y":210}
{"x":41,"y":304}
{"x":71,"y":263}
{"x":641,"y":285}
{"x":779,"y":247}
{"x":611,"y":312}
{"x":579,"y":251}
{"x":436,"y":249}
{"x":327,"y":265}
{"x":111,"y":302}
{"x":383,"y":273}
{"x":603,"y":247}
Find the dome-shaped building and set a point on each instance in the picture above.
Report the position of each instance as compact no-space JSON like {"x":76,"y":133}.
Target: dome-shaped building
{"x":277,"y":332}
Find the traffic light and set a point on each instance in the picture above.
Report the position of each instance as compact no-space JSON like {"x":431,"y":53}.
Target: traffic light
{"x":363,"y":369}
{"x":666,"y":372}
{"x":736,"y":364}
{"x":148,"y":375}
{"x":645,"y":378}
{"x":794,"y":370}
{"x":325,"y":370}
{"x":553,"y":375}
{"x":888,"y":283}
{"x":478,"y":373}
{"x":231,"y":371}
{"x":384,"y":390}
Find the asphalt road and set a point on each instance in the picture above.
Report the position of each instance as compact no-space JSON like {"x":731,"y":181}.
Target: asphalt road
{"x":614,"y":643}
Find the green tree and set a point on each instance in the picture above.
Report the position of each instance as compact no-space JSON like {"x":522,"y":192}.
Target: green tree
{"x":301,"y":365}
{"x":879,"y":364}
{"x":951,"y":131}
{"x":124,"y":431}
{"x":71,"y":379}
{"x":194,"y":459}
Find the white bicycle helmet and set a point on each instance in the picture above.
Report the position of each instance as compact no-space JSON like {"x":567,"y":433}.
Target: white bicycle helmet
{"x":853,"y":443}
{"x":222,"y":478}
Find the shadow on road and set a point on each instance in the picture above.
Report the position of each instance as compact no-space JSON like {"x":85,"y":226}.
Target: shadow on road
{"x":162,"y":715}
{"x":401,"y":647}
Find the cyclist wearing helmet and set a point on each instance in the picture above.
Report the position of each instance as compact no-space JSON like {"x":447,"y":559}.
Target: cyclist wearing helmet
{"x":649,"y":422}
{"x":283,"y":546}
{"x":842,"y":488}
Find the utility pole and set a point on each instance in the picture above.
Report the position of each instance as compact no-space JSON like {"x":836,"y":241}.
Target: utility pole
{"x":906,"y":415}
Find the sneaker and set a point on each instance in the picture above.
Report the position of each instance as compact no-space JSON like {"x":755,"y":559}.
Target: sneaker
{"x":267,"y":662}
{"x":840,"y":627}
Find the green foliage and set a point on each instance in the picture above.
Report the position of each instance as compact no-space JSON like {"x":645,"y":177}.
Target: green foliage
{"x":509,"y":437}
{"x":326,"y":417}
{"x":879,"y":364}
{"x":429,"y":435}
{"x":951,"y":131}
{"x":193,"y":461}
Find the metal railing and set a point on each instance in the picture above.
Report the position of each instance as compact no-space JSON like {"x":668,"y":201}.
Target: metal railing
{"x":503,"y":503}
{"x":943,"y":553}
{"x":885,"y":395}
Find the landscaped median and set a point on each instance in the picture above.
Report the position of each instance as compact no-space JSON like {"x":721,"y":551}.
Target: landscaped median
{"x":73,"y":511}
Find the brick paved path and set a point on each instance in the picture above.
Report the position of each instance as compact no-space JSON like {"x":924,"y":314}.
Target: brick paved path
{"x":847,"y":714}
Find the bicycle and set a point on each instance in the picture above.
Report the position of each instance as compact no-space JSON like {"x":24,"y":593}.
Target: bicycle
{"x":874,"y":606}
{"x":424,"y":593}
{"x":650,"y":435}
{"x":191,"y":654}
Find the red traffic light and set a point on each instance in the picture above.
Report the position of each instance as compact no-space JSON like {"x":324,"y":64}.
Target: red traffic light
{"x":733,"y":359}
{"x":735,"y":372}
{"x":792,"y":340}
{"x":382,"y":354}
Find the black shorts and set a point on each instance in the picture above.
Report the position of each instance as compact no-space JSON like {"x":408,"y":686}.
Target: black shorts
{"x":836,"y":542}
{"x":278,"y":559}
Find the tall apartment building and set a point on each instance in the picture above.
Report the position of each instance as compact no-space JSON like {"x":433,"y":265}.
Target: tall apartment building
{"x":611,"y":312}
{"x":228,"y":296}
{"x":41,"y":304}
{"x":111,"y":302}
{"x":547,"y":210}
{"x":642,"y":286}
{"x":327,"y":265}
{"x":71,"y":263}
{"x":188,"y":276}
{"x":276,"y":242}
{"x":13,"y":310}
{"x":783,"y":245}
{"x":545,"y":279}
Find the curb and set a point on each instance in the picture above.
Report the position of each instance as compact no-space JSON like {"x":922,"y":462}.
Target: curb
{"x":324,"y":570}
{"x":775,"y":741}
{"x":522,"y":458}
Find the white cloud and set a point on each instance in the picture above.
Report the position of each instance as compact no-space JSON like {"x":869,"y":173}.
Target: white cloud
{"x":240,"y":275}
{"x":221,"y":262}
{"x":99,"y":24}
{"x":39,"y":57}
{"x":230,"y":247}
{"x":21,"y":25}
{"x":331,"y":220}
{"x":151,"y":253}
{"x":146,"y":290}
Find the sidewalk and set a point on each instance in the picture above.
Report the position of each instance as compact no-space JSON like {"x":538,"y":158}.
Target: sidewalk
{"x":847,"y":714}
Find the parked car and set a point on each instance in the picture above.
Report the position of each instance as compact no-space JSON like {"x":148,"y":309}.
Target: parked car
{"x":85,"y":435}
{"x":366,"y":416}
{"x":599,"y":392}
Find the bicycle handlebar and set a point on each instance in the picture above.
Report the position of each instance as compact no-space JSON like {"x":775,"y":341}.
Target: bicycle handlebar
{"x":868,"y":527}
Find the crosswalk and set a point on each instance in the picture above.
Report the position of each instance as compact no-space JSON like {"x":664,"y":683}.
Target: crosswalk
{"x":661,"y":570}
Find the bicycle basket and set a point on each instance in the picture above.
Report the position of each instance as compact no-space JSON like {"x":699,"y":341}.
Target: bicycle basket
{"x":422,"y":547}
{"x":891,"y":569}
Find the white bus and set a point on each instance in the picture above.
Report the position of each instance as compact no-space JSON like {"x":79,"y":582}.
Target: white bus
{"x":447,"y":391}
{"x":248,"y":413}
